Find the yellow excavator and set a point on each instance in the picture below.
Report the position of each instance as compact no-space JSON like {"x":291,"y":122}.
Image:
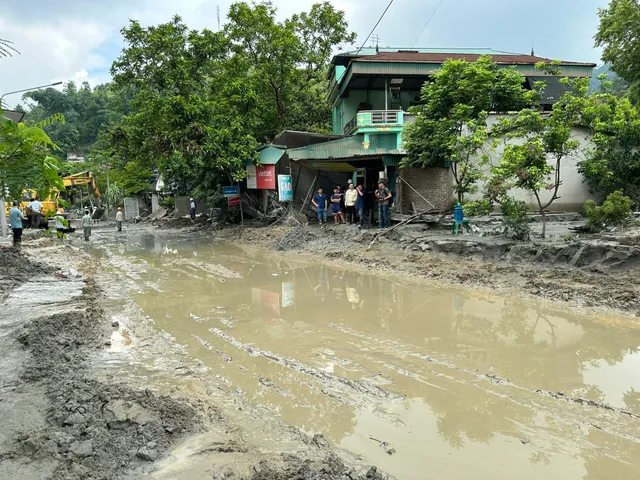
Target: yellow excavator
{"x":51,"y":205}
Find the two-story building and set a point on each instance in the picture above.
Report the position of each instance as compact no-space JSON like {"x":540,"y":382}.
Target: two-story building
{"x":371,"y":92}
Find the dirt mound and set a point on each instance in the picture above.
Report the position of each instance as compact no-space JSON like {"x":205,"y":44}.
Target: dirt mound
{"x":294,"y":239}
{"x":17,"y":268}
{"x":293,"y":467}
{"x":92,"y":430}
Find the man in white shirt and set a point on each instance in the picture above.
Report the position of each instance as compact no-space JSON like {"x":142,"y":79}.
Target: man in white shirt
{"x":119,"y":219}
{"x":36,"y":210}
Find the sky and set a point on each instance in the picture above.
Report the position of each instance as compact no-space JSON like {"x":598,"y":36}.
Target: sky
{"x":77,"y":40}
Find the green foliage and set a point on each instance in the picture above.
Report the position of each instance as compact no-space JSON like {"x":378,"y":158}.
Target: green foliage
{"x":26,"y":160}
{"x":6,"y":49}
{"x":618,"y":36}
{"x":133,"y":179}
{"x":515,"y":218}
{"x":168,"y":202}
{"x":477,"y":208}
{"x":615,"y":211}
{"x":114,"y":195}
{"x":451,"y":123}
{"x":614,"y":161}
{"x":544,"y":142}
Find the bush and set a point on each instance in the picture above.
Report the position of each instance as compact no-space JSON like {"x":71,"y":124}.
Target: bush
{"x":516,"y":218}
{"x":167,"y":202}
{"x":614,"y":211}
{"x":479,"y":207}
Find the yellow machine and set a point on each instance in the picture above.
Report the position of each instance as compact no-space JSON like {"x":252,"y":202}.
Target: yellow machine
{"x":50,"y":204}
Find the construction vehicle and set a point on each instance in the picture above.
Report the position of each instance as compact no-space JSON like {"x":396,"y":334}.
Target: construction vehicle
{"x":51,"y":204}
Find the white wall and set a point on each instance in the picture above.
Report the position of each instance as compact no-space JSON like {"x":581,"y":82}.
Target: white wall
{"x":573,"y":192}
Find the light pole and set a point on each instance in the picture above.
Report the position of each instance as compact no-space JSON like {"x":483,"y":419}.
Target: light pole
{"x":28,"y":90}
{"x":3,"y":217}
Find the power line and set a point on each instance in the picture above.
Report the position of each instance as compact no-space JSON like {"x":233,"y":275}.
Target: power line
{"x":374,"y":28}
{"x":428,"y":22}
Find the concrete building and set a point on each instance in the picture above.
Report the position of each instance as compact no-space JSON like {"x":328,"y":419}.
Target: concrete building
{"x":371,"y":92}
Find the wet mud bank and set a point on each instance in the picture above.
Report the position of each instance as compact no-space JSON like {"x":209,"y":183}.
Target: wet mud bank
{"x":62,"y":422}
{"x":67,"y":416}
{"x":587,"y":273}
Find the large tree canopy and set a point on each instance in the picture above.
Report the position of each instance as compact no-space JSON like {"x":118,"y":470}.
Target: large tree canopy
{"x":451,"y":123}
{"x":619,"y":37}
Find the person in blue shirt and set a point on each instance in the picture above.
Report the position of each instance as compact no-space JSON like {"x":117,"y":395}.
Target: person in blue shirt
{"x":319,"y":201}
{"x":336,"y":207}
{"x":15,"y":218}
{"x":360,"y":204}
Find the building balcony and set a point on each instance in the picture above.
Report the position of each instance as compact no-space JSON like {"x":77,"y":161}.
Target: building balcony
{"x":377,"y":121}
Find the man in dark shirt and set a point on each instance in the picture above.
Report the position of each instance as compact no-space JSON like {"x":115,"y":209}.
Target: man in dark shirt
{"x":383,"y":195}
{"x":360,"y":204}
{"x":320,"y":201}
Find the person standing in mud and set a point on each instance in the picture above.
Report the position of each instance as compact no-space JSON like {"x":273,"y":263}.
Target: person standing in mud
{"x":36,"y":209}
{"x":192,"y":208}
{"x":119,"y":219}
{"x":87,"y":221}
{"x":336,"y":209}
{"x":360,"y":205}
{"x":350,"y":200}
{"x":383,"y":196}
{"x":320,"y":201}
{"x":15,"y":218}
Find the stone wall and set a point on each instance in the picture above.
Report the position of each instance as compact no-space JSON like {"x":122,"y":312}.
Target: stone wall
{"x":433,"y":183}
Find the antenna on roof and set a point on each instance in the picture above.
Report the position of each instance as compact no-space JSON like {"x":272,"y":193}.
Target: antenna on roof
{"x":533,"y":54}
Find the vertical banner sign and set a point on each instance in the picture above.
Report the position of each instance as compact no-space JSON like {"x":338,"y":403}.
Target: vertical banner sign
{"x":261,"y":177}
{"x":285,"y":188}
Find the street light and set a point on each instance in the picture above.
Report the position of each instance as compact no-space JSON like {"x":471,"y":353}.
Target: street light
{"x":28,"y":90}
{"x":3,"y":218}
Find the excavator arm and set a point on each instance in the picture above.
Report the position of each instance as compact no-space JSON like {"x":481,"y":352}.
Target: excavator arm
{"x":82,"y":178}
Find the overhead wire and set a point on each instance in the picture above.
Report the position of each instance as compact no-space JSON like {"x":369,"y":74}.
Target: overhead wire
{"x":428,"y":22}
{"x":374,"y":28}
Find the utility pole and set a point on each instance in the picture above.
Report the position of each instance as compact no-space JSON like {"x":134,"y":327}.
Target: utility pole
{"x":218,"y":11}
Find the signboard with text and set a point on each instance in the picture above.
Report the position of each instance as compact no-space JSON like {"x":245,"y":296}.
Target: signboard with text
{"x":261,"y":177}
{"x":234,"y":201}
{"x":230,"y":191}
{"x":285,"y":188}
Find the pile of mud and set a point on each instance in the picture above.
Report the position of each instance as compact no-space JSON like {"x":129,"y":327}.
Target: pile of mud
{"x":17,"y":269}
{"x":292,"y":467}
{"x":92,"y":430}
{"x":294,"y":239}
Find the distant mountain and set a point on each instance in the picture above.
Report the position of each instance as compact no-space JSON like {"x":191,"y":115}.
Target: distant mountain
{"x":594,"y":85}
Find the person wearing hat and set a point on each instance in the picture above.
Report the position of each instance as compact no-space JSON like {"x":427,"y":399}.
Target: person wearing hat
{"x":192,"y":208}
{"x":119,"y":219}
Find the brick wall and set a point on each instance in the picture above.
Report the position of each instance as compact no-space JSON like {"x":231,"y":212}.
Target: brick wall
{"x":433,"y":183}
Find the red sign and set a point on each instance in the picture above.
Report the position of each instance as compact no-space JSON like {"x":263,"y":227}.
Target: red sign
{"x":234,"y":201}
{"x":262,"y":177}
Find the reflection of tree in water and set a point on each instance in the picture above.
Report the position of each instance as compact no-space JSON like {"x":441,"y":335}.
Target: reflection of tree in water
{"x":471,"y":412}
{"x":620,"y":459}
{"x":632,"y":400}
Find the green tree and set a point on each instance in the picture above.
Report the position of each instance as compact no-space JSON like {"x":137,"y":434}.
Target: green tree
{"x":619,"y":37}
{"x":614,"y":161}
{"x":451,"y":123}
{"x":538,"y":143}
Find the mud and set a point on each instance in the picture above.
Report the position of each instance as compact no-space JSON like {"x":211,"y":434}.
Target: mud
{"x":584,"y":273}
{"x":16,"y":269}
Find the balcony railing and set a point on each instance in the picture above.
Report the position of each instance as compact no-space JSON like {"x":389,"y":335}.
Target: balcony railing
{"x":369,"y":118}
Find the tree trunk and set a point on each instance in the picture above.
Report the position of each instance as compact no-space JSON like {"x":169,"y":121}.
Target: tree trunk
{"x":544,"y":223}
{"x":3,"y":219}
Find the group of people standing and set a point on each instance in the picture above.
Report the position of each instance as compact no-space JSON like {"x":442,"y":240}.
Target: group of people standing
{"x":346,"y":204}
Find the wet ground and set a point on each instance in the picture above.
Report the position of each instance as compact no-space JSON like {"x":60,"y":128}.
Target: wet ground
{"x":422,"y":380}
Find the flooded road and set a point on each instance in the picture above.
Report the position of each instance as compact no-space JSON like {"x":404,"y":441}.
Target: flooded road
{"x":425,"y":381}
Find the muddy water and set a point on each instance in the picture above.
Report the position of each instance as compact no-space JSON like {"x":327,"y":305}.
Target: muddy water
{"x":425,"y":381}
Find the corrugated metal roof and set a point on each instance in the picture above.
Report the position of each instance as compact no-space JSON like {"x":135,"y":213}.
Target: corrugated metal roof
{"x":372,"y":51}
{"x":441,"y":57}
{"x":349,"y":147}
{"x":271,"y":154}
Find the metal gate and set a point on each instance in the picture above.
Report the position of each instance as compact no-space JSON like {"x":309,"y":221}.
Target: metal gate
{"x":131,"y":208}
